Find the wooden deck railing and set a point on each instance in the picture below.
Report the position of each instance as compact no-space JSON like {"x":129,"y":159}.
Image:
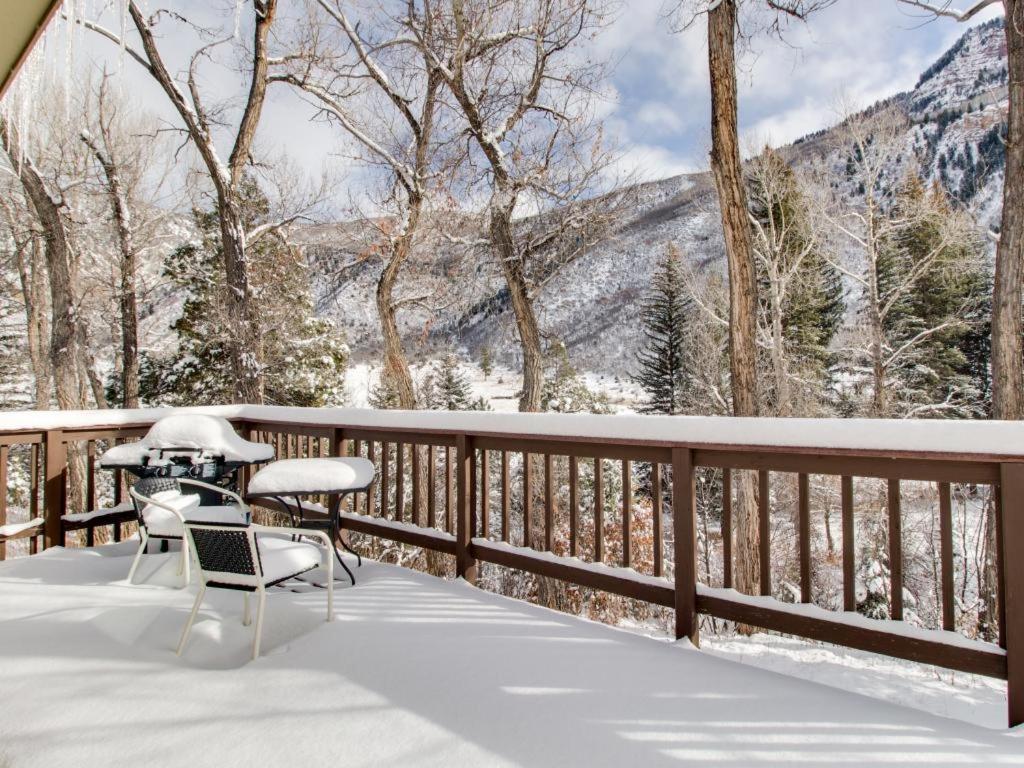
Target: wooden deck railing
{"x":433,"y":491}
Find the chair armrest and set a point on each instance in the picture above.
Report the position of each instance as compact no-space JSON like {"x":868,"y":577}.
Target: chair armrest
{"x":308,"y":532}
{"x":217,"y":488}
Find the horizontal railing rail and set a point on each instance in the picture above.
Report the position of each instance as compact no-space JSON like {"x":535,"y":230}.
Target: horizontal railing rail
{"x":530,"y":494}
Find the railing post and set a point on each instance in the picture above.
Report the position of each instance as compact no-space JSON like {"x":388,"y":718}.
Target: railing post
{"x":1011,"y":492}
{"x":465,"y":563}
{"x":55,"y":489}
{"x":684,"y":517}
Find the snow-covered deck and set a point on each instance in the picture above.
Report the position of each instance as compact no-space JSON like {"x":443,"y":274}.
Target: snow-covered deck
{"x":415,"y":671}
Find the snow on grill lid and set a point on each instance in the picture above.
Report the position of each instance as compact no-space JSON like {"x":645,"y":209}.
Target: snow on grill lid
{"x":322,"y":475}
{"x":193,"y":431}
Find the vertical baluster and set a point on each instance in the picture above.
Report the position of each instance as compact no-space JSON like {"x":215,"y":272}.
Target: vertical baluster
{"x":549,"y":504}
{"x":627,"y":513}
{"x":90,"y":475}
{"x":399,"y":481}
{"x":90,"y":489}
{"x":3,"y":497}
{"x":574,"y":506}
{"x":417,"y":491}
{"x":804,"y":504}
{"x":656,"y":514}
{"x":598,"y":510}
{"x":1003,"y":565}
{"x":371,"y":496}
{"x":385,"y":478}
{"x":527,"y":502}
{"x":727,"y":528}
{"x":357,"y":450}
{"x":764,"y":532}
{"x":118,"y":480}
{"x":485,"y":493}
{"x":431,"y":486}
{"x":448,"y":520}
{"x":506,"y":496}
{"x":946,"y":556}
{"x":895,"y":552}
{"x":474,"y":512}
{"x":849,"y":579}
{"x":34,"y":482}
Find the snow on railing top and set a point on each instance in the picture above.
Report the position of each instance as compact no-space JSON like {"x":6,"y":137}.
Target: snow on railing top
{"x":987,"y":439}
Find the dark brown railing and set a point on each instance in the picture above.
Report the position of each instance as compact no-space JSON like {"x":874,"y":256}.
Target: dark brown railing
{"x":454,"y":492}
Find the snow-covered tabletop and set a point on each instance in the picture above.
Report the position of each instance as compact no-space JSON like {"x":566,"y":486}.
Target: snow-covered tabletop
{"x":327,"y":475}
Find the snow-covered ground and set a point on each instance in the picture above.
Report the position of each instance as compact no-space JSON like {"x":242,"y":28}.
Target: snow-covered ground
{"x":500,"y":389}
{"x":415,"y":671}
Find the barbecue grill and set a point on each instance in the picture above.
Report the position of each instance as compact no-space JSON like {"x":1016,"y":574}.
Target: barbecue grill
{"x":190,"y":445}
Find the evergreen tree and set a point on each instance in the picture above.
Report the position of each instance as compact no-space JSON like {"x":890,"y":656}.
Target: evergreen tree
{"x":486,"y":362}
{"x":446,"y":388}
{"x":304,"y":357}
{"x":945,"y":313}
{"x":565,"y":391}
{"x":662,"y":370}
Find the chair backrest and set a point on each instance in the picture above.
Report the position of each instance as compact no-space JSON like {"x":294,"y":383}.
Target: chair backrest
{"x":227,"y":553}
{"x":161,"y":517}
{"x":144,"y":489}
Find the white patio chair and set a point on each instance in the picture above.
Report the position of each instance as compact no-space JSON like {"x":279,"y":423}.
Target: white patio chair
{"x":162,"y":508}
{"x":241,"y":557}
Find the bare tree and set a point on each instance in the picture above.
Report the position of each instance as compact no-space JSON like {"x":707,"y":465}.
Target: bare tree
{"x":526,"y":101}
{"x":394,"y":126}
{"x":48,"y":207}
{"x":200,"y":121}
{"x":867,"y":215}
{"x":1007,"y":338}
{"x":123,"y":225}
{"x":784,"y":242}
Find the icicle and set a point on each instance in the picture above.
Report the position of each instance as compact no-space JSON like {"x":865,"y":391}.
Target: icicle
{"x":238,"y":16}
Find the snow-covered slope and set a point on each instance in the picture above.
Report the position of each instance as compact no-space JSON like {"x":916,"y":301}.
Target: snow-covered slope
{"x":955,"y":112}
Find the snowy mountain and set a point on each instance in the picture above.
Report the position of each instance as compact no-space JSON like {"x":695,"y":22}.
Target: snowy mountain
{"x":956,"y":113}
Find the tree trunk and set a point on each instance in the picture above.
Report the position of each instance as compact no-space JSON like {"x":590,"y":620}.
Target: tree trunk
{"x":64,"y":318}
{"x":503,"y":243}
{"x":728,"y":172}
{"x":1007,"y":344}
{"x":37,"y":329}
{"x":127,"y":301}
{"x":396,"y":366}
{"x":245,"y":337}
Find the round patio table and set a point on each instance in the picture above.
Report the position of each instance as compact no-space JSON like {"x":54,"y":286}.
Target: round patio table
{"x":296,"y":479}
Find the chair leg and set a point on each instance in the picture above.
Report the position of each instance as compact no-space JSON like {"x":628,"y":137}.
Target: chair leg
{"x":186,"y":559}
{"x":247,"y":613}
{"x":191,"y":619}
{"x":138,"y":555}
{"x":260,"y":605}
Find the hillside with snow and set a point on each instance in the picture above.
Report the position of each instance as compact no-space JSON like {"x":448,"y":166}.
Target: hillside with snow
{"x":955,"y":117}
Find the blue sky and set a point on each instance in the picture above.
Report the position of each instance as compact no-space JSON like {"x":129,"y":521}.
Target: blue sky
{"x":658,"y":105}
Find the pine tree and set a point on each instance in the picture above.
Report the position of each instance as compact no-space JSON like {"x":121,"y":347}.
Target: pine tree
{"x":662,"y":370}
{"x":486,"y":362}
{"x":566,"y":391}
{"x":945,"y":313}
{"x":304,"y":357}
{"x":447,"y":388}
